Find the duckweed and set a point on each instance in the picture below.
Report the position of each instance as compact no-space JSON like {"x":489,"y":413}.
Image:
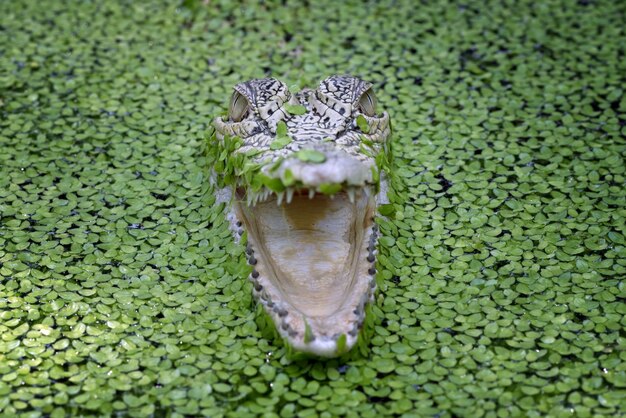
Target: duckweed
{"x":502,"y":261}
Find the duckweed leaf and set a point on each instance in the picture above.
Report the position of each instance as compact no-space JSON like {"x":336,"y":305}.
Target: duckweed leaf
{"x":308,"y":335}
{"x":288,"y":178}
{"x":329,"y":188}
{"x":295,"y":109}
{"x":281,"y":129}
{"x":280,"y":142}
{"x":341,"y":344}
{"x":361,"y":122}
{"x":310,"y":156}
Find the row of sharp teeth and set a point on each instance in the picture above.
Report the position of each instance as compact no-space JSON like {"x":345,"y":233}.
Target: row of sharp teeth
{"x":287,"y":194}
{"x":359,"y":311}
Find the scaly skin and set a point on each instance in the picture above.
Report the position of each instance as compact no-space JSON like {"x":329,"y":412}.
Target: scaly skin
{"x":303,"y":174}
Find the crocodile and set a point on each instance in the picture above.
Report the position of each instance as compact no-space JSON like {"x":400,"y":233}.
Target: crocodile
{"x":302,"y":175}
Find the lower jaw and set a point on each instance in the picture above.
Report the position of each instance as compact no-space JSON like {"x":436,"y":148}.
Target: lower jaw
{"x":313,"y":266}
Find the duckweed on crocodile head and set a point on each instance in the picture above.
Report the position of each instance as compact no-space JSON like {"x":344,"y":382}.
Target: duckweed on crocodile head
{"x":502,"y":265}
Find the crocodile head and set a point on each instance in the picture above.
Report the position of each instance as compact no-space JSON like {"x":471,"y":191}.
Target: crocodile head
{"x":304,"y":174}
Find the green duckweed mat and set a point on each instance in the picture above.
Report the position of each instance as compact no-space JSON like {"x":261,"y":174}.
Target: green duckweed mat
{"x":502,"y":269}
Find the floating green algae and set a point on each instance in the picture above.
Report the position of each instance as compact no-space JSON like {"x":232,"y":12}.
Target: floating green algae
{"x":503,"y":258}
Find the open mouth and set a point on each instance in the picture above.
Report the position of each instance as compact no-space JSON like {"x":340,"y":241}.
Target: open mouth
{"x":313,"y":258}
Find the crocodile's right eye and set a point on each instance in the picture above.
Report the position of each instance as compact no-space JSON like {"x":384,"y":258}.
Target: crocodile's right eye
{"x":367,"y":103}
{"x":238,"y":107}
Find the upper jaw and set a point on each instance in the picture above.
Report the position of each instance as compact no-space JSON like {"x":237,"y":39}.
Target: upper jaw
{"x":337,"y":173}
{"x":336,"y":168}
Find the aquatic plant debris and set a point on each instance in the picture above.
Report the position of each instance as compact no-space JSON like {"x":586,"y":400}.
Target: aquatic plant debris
{"x":502,"y":262}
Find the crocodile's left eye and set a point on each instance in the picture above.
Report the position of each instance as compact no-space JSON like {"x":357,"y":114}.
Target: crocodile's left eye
{"x":367,"y":103}
{"x":238,"y":107}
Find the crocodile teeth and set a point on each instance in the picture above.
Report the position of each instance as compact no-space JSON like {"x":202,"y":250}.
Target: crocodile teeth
{"x":351,"y":194}
{"x":310,"y":259}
